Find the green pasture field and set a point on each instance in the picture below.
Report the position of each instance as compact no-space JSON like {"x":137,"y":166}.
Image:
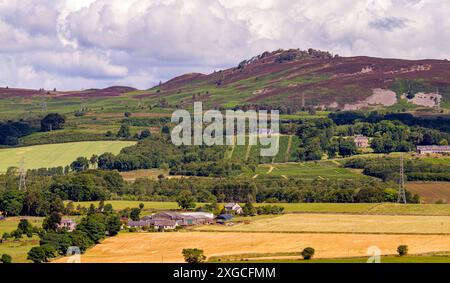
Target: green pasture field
{"x":10,"y":223}
{"x":122,"y":204}
{"x":18,"y":249}
{"x":351,"y":208}
{"x":54,"y":155}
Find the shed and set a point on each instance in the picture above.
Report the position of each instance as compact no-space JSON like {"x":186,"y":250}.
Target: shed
{"x":225,"y":217}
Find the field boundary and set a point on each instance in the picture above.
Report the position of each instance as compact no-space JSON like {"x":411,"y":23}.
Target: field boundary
{"x":320,"y":232}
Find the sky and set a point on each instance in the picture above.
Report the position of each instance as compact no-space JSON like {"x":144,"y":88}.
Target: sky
{"x":80,"y":44}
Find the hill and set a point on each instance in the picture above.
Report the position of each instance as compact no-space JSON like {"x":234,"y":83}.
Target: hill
{"x":290,"y":79}
{"x":315,"y":78}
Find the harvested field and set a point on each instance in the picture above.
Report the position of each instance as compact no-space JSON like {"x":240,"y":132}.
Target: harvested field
{"x":342,"y":223}
{"x":167,"y":247}
{"x":144,"y":173}
{"x":430,"y":192}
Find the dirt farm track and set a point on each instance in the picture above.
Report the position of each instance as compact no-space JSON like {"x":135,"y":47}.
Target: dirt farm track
{"x":167,"y":247}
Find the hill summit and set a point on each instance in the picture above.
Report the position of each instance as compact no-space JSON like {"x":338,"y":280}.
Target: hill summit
{"x":315,"y":78}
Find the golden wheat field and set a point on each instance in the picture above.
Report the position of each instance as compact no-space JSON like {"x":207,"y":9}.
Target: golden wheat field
{"x":167,"y":247}
{"x":342,"y":223}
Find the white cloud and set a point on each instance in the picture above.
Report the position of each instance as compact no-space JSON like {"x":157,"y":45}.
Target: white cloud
{"x":96,"y":43}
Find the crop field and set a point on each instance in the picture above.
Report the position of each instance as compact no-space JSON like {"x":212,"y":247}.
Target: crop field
{"x":430,"y":192}
{"x":253,"y":153}
{"x":54,"y":155}
{"x":342,"y":223}
{"x":144,"y":173}
{"x":306,"y":170}
{"x":167,"y":247}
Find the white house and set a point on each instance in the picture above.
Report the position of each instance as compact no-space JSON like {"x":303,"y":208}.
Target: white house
{"x":232,"y":206}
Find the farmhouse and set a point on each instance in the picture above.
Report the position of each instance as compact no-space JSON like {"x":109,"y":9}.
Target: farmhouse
{"x":185,"y":219}
{"x":433,"y":149}
{"x":235,"y":207}
{"x":170,"y":220}
{"x":67,"y":224}
{"x":139,"y":224}
{"x":165,"y":224}
{"x":361,"y":141}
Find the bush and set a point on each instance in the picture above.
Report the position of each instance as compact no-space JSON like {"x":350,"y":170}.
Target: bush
{"x":36,"y":255}
{"x":308,"y":253}
{"x":6,"y":258}
{"x":402,"y":250}
{"x":193,"y":255}
{"x":49,"y":251}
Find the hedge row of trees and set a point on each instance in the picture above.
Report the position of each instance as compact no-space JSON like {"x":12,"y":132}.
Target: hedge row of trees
{"x":388,"y":168}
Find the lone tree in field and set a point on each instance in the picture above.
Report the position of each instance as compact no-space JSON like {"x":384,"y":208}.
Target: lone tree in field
{"x":402,"y":250}
{"x":193,"y":255}
{"x":6,"y":258}
{"x":124,"y":131}
{"x":185,"y":200}
{"x":308,"y":253}
{"x":52,"y":121}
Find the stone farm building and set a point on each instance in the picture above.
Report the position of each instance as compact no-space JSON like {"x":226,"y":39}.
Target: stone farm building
{"x":433,"y":149}
{"x":170,"y":220}
{"x":361,"y":141}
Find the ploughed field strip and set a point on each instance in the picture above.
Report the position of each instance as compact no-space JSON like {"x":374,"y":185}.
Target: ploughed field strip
{"x":167,"y":247}
{"x":342,"y":223}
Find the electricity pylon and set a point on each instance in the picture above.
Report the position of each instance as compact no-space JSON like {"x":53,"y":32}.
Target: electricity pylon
{"x":43,"y":103}
{"x":401,"y":184}
{"x":22,"y":176}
